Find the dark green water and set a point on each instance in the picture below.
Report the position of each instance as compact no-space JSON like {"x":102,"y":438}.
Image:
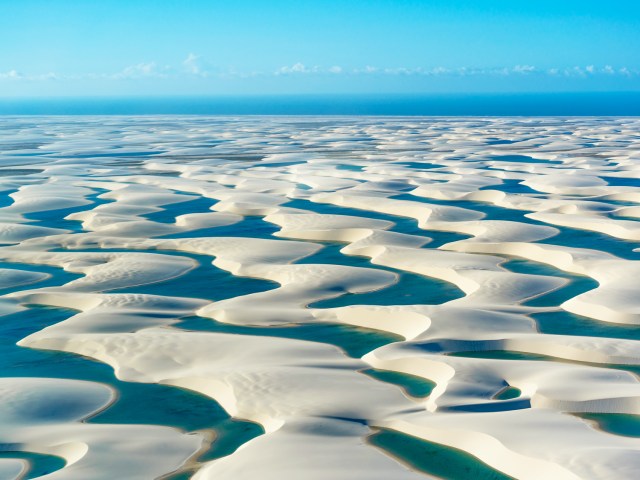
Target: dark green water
{"x":513,"y":355}
{"x":58,"y":276}
{"x":508,"y":393}
{"x":5,"y":199}
{"x":136,"y":403}
{"x":561,"y":322}
{"x":512,"y":186}
{"x":615,"y":423}
{"x":577,"y":285}
{"x":354,"y":341}
{"x":211,"y":283}
{"x":412,"y":385}
{"x":569,"y":237}
{"x":39,"y":464}
{"x":205,"y":281}
{"x":251,"y":226}
{"x":433,"y":458}
{"x":168,"y":213}
{"x":411,"y":289}
{"x":401,"y":224}
{"x":522,"y":159}
{"x":56,"y":218}
{"x":418,"y":166}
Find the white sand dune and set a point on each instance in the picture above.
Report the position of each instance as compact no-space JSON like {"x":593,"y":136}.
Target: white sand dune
{"x":45,"y":416}
{"x":301,"y":211}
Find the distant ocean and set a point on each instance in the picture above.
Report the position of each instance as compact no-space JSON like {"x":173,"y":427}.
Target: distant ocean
{"x":543,"y":104}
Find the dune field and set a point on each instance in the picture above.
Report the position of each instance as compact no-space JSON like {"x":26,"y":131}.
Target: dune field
{"x":322,"y":298}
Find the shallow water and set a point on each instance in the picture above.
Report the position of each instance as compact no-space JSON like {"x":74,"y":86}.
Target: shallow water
{"x":412,"y":385}
{"x":521,"y":159}
{"x":616,"y":423}
{"x":39,"y":464}
{"x":410,"y":289}
{"x":567,"y":236}
{"x":135,"y":403}
{"x":353,"y":341}
{"x":401,"y":224}
{"x":204,"y":281}
{"x":515,"y":355}
{"x":577,"y":284}
{"x":433,"y":458}
{"x":561,"y":322}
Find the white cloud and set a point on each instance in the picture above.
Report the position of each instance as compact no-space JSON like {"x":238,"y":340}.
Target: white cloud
{"x":405,"y":71}
{"x":295,"y":68}
{"x":11,"y":74}
{"x":524,"y":69}
{"x":439,"y":70}
{"x":301,"y":68}
{"x":577,"y":71}
{"x":193,"y":65}
{"x":142,"y":70}
{"x":367,"y":70}
{"x":15,"y":75}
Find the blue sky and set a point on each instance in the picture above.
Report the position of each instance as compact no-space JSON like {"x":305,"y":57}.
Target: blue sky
{"x":156,"y":47}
